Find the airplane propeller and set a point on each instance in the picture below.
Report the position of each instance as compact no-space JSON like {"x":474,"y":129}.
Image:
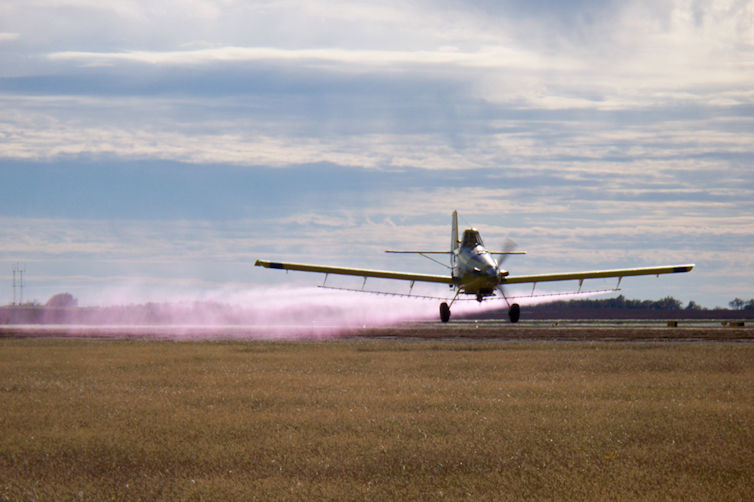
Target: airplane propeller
{"x":514,"y":311}
{"x":509,"y":245}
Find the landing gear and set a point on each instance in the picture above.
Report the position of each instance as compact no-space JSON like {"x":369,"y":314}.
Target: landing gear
{"x":514,"y":312}
{"x":444,"y":312}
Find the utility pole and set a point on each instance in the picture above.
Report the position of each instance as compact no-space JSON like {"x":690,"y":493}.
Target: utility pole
{"x":17,"y":268}
{"x":21,"y":285}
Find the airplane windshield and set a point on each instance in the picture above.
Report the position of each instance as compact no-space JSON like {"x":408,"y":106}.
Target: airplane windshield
{"x":471,"y":238}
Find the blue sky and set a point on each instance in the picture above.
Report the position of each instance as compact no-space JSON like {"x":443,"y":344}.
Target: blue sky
{"x":159,"y":148}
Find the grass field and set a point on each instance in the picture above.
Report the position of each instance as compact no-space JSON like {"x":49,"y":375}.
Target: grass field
{"x":149,"y":420}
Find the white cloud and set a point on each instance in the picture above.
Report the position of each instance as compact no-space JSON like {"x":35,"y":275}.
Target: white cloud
{"x":139,"y":128}
{"x":488,"y":57}
{"x":629,"y":55}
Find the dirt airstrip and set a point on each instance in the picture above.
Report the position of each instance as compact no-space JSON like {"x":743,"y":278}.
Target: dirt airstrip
{"x":592,"y":331}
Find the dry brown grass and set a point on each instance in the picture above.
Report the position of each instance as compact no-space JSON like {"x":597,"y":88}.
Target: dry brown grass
{"x":125,"y":420}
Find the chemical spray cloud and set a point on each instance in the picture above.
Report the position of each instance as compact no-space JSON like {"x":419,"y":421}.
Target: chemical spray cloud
{"x":260,"y":313}
{"x":277,"y":313}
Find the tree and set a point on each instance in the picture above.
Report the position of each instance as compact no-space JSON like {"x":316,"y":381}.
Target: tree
{"x":736,"y":304}
{"x":749,"y":305}
{"x":62,"y":300}
{"x":693,"y":306}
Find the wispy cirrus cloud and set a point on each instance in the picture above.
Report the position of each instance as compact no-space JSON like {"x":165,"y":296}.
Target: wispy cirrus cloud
{"x":488,"y":57}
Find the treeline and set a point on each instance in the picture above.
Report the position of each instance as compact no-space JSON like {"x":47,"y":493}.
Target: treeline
{"x":68,"y":312}
{"x":64,"y":309}
{"x":621,"y":302}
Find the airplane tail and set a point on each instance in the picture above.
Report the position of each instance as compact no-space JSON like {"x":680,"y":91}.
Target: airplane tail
{"x":454,"y":232}
{"x":454,"y":243}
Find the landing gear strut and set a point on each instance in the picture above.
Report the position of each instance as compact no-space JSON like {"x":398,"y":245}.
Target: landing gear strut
{"x":444,"y":312}
{"x":514,"y":312}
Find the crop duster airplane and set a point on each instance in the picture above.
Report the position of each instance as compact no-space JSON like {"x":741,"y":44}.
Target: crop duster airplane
{"x":474,"y":271}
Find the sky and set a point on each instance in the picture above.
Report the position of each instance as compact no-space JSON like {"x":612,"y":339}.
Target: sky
{"x":153,"y":150}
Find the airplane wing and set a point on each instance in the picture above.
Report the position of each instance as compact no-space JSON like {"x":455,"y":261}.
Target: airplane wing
{"x":359,"y":272}
{"x":447,"y":279}
{"x":597,"y":274}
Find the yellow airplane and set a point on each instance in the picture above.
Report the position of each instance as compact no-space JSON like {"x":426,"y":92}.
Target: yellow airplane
{"x":475,"y":272}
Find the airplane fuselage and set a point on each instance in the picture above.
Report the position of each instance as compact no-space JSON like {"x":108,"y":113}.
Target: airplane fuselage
{"x":474,"y":266}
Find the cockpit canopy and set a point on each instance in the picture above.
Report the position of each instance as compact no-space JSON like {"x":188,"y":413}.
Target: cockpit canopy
{"x":471,"y":238}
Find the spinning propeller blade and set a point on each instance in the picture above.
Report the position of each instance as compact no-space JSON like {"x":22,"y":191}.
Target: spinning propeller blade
{"x":514,"y":310}
{"x":508,"y":247}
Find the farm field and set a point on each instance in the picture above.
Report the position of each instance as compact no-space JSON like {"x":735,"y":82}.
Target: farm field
{"x":359,"y":419}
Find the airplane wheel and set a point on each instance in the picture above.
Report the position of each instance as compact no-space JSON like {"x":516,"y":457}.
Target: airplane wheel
{"x":514,"y":312}
{"x":444,"y":312}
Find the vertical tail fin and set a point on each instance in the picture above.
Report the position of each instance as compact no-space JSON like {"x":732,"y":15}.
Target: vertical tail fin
{"x":454,"y":232}
{"x":453,"y":242}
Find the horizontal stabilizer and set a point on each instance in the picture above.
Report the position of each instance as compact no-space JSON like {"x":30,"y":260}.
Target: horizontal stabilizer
{"x":418,"y":252}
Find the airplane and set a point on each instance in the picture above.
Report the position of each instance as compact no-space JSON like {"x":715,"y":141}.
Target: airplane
{"x":474,"y":271}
